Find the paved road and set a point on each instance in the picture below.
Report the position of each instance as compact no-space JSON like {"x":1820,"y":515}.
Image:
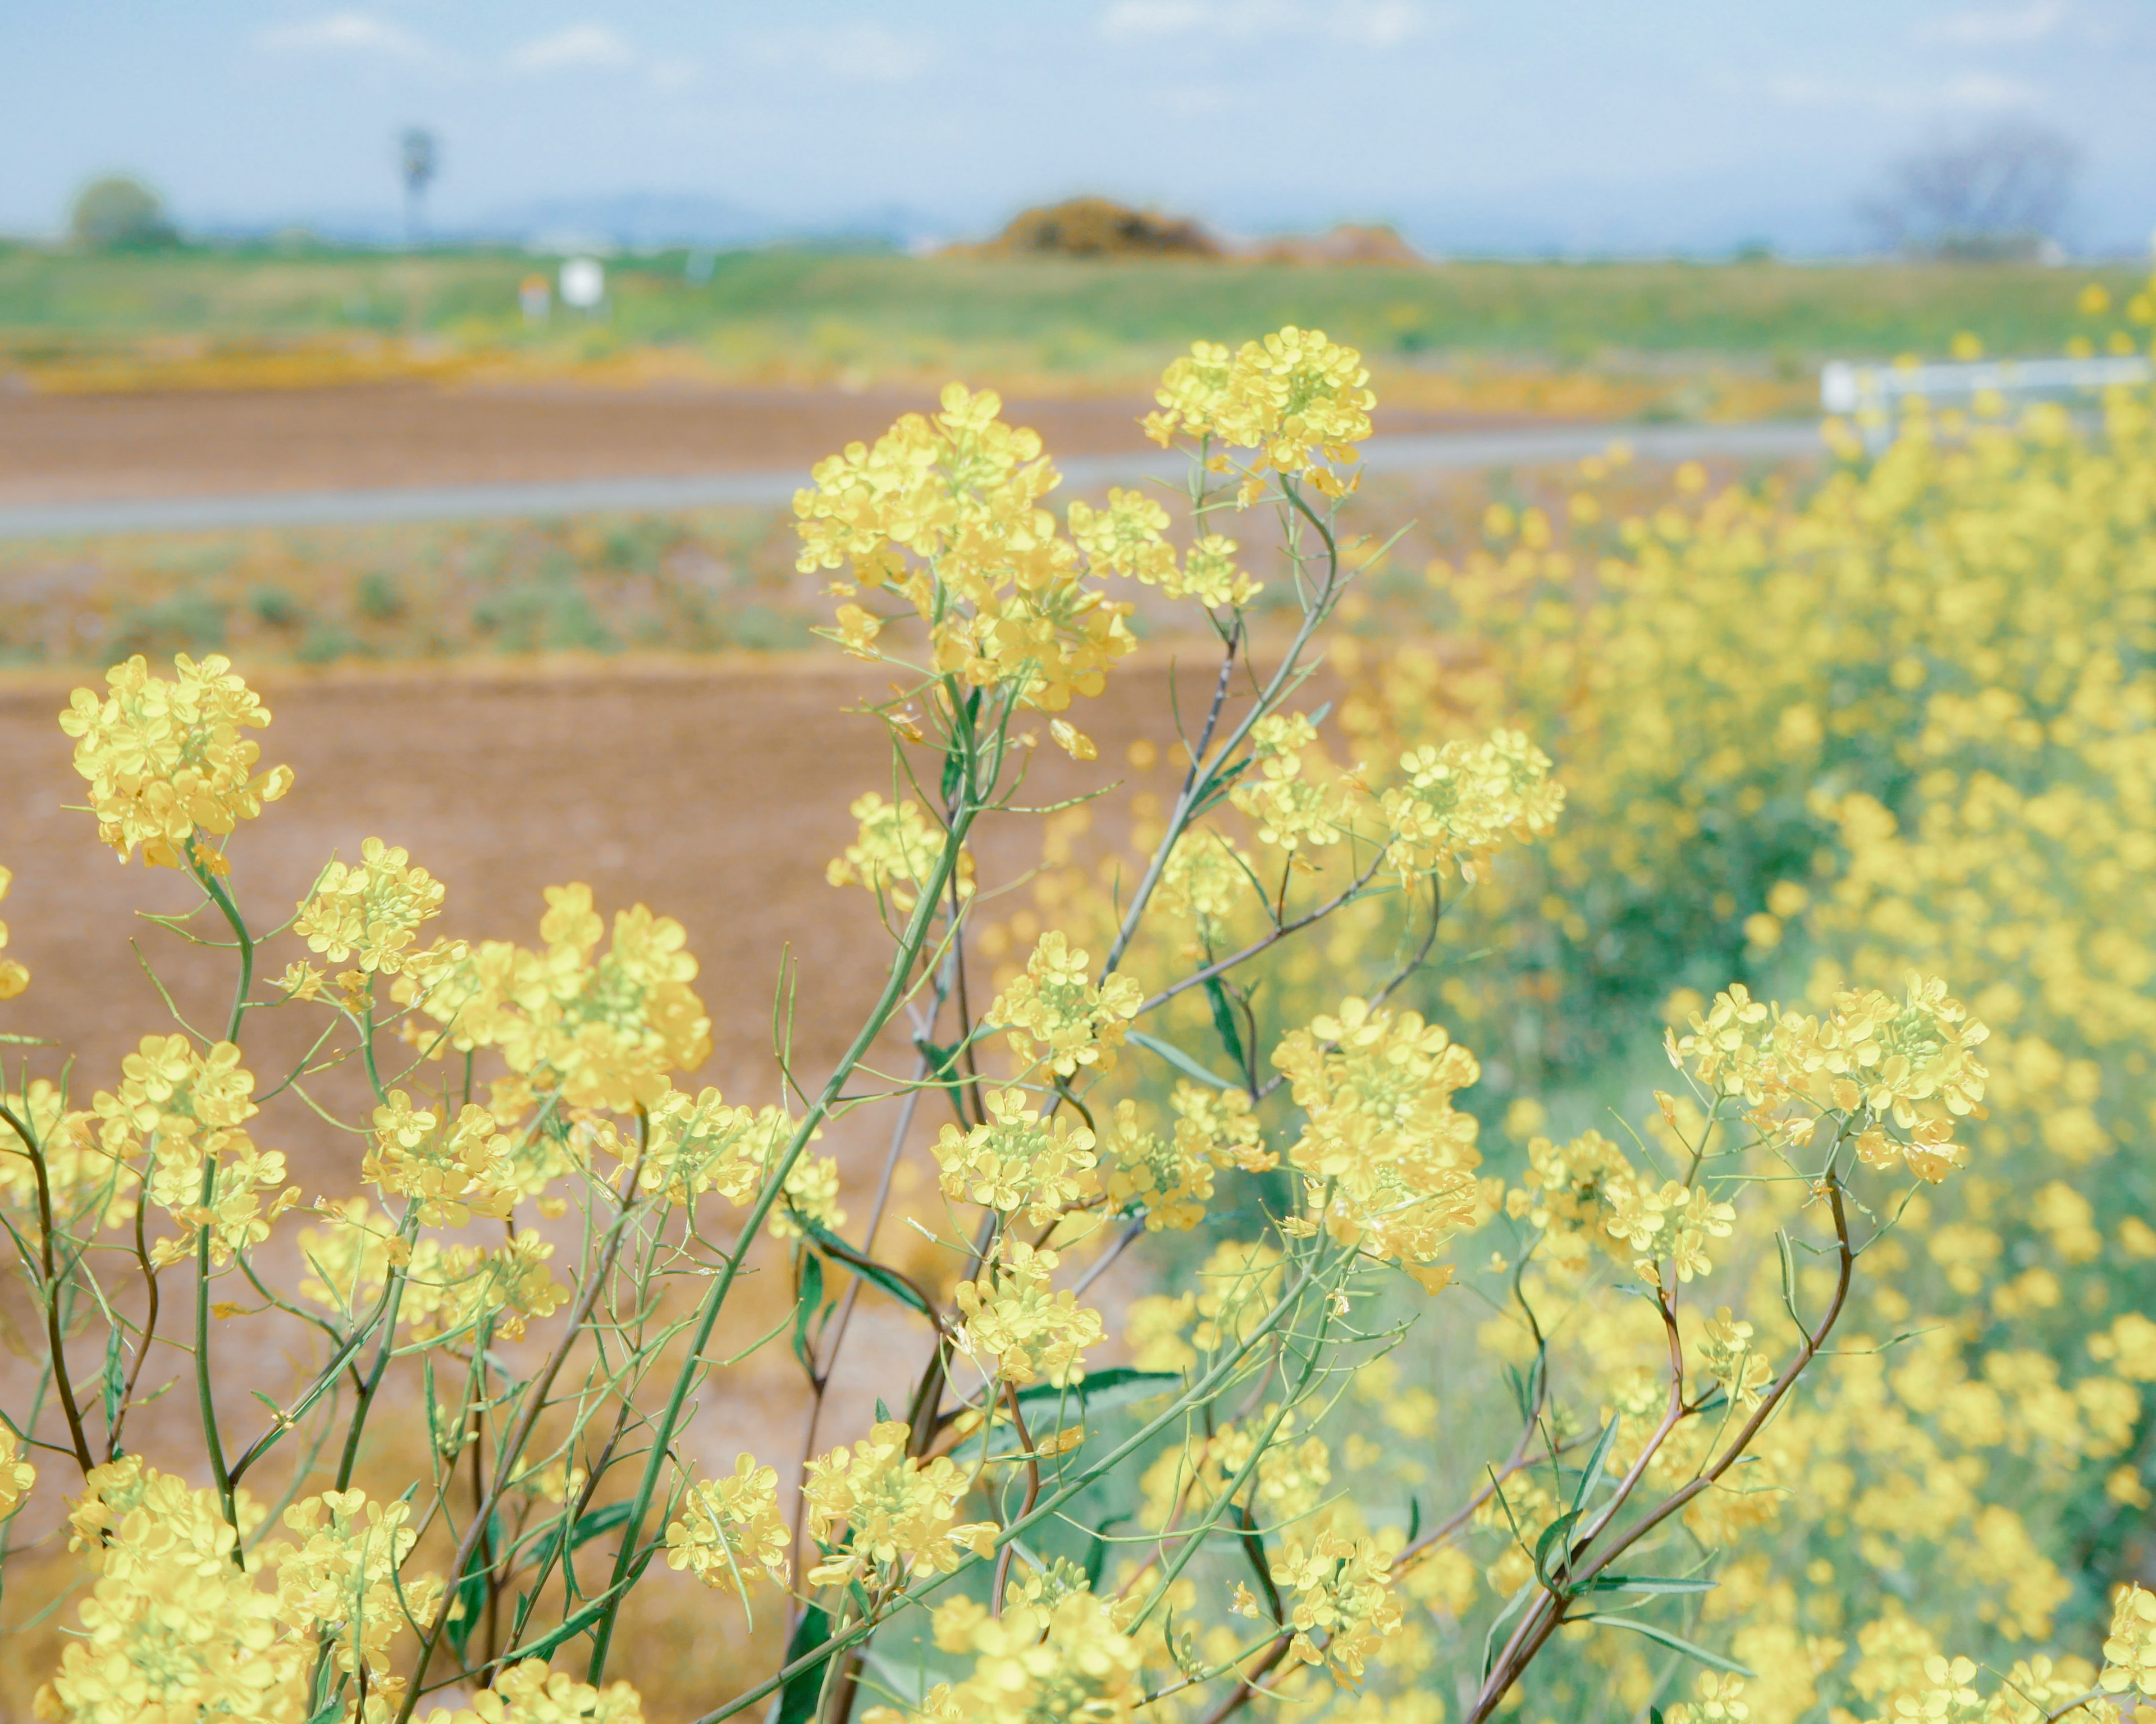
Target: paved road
{"x":1449,"y":452}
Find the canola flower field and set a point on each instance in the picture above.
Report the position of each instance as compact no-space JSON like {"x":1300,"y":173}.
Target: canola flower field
{"x":1667,"y":1045}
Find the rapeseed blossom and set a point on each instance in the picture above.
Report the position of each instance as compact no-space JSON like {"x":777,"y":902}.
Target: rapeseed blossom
{"x":166,"y":758}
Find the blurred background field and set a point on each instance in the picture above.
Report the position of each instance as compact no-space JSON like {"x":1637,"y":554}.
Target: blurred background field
{"x":1609,"y":339}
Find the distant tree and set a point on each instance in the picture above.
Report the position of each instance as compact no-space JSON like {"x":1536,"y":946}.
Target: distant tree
{"x":418,"y":160}
{"x":1997,"y":191}
{"x":121,"y":213}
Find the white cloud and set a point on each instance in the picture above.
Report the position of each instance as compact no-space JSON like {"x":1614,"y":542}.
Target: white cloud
{"x":1994,"y":26}
{"x":851,"y":53}
{"x":1979,"y":90}
{"x":579,"y":47}
{"x":1361,"y":24}
{"x":347,"y":32}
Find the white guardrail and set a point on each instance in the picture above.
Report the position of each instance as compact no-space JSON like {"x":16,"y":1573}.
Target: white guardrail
{"x":1848,"y":389}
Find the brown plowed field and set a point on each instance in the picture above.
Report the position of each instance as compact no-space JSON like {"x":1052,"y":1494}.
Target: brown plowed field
{"x":79,"y":447}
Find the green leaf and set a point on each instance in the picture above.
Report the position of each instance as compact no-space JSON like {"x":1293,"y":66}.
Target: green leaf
{"x":1224,"y":1020}
{"x":584,"y":1619}
{"x":596,"y":1524}
{"x":1107,"y":1391}
{"x":1414,"y":1518}
{"x":469,"y":1597}
{"x":1647,"y":1584}
{"x":807,"y":1303}
{"x":888,"y":1280}
{"x":1180,"y":1060}
{"x":115,"y":1378}
{"x":1556,"y":1531}
{"x":799,"y":1695}
{"x":330,"y":1709}
{"x":1593,"y":1472}
{"x":1676,"y":1643}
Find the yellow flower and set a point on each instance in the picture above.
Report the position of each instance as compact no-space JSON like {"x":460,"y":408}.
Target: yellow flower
{"x":455,"y":1172}
{"x":1056,"y":1652}
{"x":17,"y":1476}
{"x":165,"y":759}
{"x":188,"y":1106}
{"x":945,"y":512}
{"x":1382,"y":1136}
{"x":887,"y":1515}
{"x":1295,"y":395}
{"x":897,"y":850}
{"x":342,"y":1585}
{"x":531,"y":1692}
{"x":1343,"y":1592}
{"x":13,"y":977}
{"x":1056,"y":1017}
{"x":1455,"y":804}
{"x":1017,"y":1160}
{"x":1021,"y":1326}
{"x":729,"y":1526}
{"x":2129,"y":1652}
{"x":373,"y":909}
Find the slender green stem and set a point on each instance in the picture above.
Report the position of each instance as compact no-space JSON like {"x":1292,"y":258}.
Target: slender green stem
{"x":925,"y":909}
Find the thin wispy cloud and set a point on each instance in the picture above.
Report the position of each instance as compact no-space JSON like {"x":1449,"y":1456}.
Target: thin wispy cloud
{"x":1363,"y":24}
{"x":1968,"y":92}
{"x":849,"y":54}
{"x":580,"y":47}
{"x":348,"y":34}
{"x":1994,"y":27}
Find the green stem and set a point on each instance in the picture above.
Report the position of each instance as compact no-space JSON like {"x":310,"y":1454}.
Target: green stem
{"x":205,"y":1400}
{"x":629,"y":1556}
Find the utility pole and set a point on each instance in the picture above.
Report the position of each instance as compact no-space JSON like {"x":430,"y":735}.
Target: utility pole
{"x":418,"y":160}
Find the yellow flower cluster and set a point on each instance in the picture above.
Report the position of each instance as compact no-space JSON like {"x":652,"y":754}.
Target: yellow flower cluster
{"x":165,"y":759}
{"x":78,"y":1169}
{"x":1455,"y":804}
{"x":455,"y":1172}
{"x":1001,"y":591}
{"x":897,"y":849}
{"x":880,"y":1514}
{"x":189,"y":1107}
{"x":1016,"y":1159}
{"x":175,"y":1628}
{"x":13,"y":977}
{"x":1054,"y":1653}
{"x":1168,"y":1180}
{"x":450,"y":1291}
{"x":371,"y":911}
{"x":1342,"y":1591}
{"x":16,"y":1474}
{"x":1290,"y":806}
{"x":1383,"y":1151}
{"x":342,"y":1585}
{"x":1126,"y":538}
{"x":2129,"y":1651}
{"x":1669,"y":1223}
{"x":1299,"y":398}
{"x":531,"y":1692}
{"x":1906,"y":1065}
{"x":729,"y":1526}
{"x":1054,"y":1015}
{"x":1238,"y":1283}
{"x":607,"y":1029}
{"x":1207,"y":879}
{"x":1022,"y":1329}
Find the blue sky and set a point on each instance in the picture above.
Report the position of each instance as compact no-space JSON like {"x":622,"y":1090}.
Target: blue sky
{"x":1572,"y":124}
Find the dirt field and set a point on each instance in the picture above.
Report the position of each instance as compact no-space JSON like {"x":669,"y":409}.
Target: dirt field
{"x":79,"y":448}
